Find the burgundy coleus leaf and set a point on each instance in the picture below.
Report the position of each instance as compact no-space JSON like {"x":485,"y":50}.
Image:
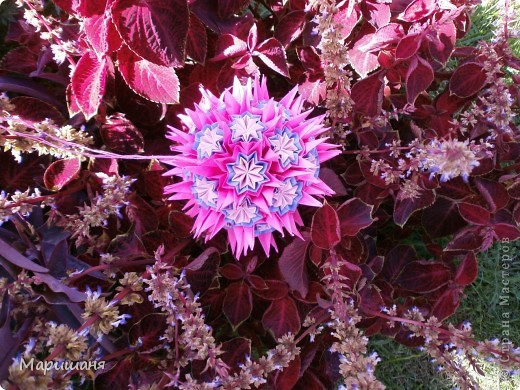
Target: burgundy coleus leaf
{"x":102,"y":34}
{"x":404,"y":208}
{"x":236,"y":352}
{"x":227,"y":8}
{"x":287,"y":378}
{"x":231,"y":271}
{"x":60,"y":173}
{"x":36,"y":110}
{"x":467,"y":239}
{"x":419,"y":76}
{"x":272,"y":53}
{"x":313,"y":91}
{"x":325,"y":228}
{"x":180,"y":223}
{"x":367,"y":94}
{"x":417,"y":10}
{"x":88,"y":8}
{"x":506,"y":231}
{"x":467,"y":79}
{"x":197,"y":41}
{"x":408,"y":46}
{"x":467,"y":270}
{"x":442,"y":42}
{"x":271,"y":289}
{"x":88,"y":83}
{"x":383,"y":37}
{"x":154,"y":82}
{"x":398,"y":257}
{"x":370,"y":300}
{"x":494,"y":193}
{"x":354,"y":215}
{"x":154,"y":29}
{"x":290,"y":27}
{"x":281,"y":317}
{"x":238,"y":303}
{"x":447,"y":303}
{"x":377,"y":13}
{"x":474,"y":214}
{"x":423,"y":276}
{"x":120,"y":135}
{"x":347,"y":17}
{"x":292,"y":265}
{"x":362,"y":60}
{"x":229,"y":46}
{"x":20,"y":60}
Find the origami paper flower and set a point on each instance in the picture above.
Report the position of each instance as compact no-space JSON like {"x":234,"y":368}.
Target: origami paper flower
{"x":246,"y":163}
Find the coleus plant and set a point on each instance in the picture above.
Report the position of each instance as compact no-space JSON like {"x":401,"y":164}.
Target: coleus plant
{"x":427,"y":177}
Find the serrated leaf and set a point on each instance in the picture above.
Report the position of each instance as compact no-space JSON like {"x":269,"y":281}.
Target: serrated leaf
{"x":290,"y":27}
{"x":272,"y":53}
{"x":154,"y":82}
{"x":60,"y":173}
{"x":102,"y":34}
{"x":197,"y":41}
{"x":154,"y":29}
{"x":367,"y":94}
{"x":282,"y":317}
{"x":292,"y":265}
{"x":467,"y":79}
{"x":354,"y":215}
{"x":419,"y":76}
{"x":88,"y":83}
{"x":238,"y":303}
{"x":325,"y":228}
{"x":120,"y":135}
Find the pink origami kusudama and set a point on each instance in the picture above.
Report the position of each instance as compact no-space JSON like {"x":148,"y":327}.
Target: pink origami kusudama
{"x":246,"y":164}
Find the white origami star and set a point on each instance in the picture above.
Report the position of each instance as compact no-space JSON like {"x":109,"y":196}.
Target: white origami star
{"x":246,"y":127}
{"x":244,"y":214}
{"x":286,"y":145}
{"x":208,"y":141}
{"x":246,"y":173}
{"x":204,"y":191}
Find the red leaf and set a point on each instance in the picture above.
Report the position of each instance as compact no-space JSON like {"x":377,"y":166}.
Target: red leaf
{"x":292,"y":265}
{"x":474,"y":214}
{"x":88,"y":8}
{"x":494,"y":193}
{"x":396,"y":260}
{"x":236,"y":352}
{"x":367,"y":94}
{"x":154,"y":29}
{"x":419,"y":76}
{"x":88,"y":83}
{"x":418,"y":9}
{"x":346,"y":18}
{"x":467,"y":239}
{"x":20,"y":60}
{"x":154,"y":82}
{"x":377,"y":13}
{"x":442,"y":43}
{"x":408,"y":46}
{"x":404,"y":208}
{"x":467,"y":270}
{"x":287,"y":378}
{"x":231,"y":272}
{"x":35,"y":110}
{"x":180,"y":223}
{"x":272,"y":53}
{"x":102,"y":34}
{"x":60,"y":173}
{"x":313,"y":91}
{"x":354,"y":215}
{"x":370,"y":299}
{"x":467,"y":80}
{"x":238,"y":303}
{"x":391,"y":33}
{"x":290,"y":27}
{"x":362,"y":60}
{"x":325,"y":228}
{"x":15,"y":176}
{"x":119,"y":134}
{"x":227,"y":8}
{"x":281,"y":317}
{"x":229,"y":46}
{"x":446,"y":304}
{"x":506,"y":231}
{"x":423,"y":276}
{"x":276,"y":289}
{"x":197,"y":42}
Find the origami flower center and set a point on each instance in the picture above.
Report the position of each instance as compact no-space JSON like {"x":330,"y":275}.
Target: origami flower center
{"x":286,"y":145}
{"x":205,"y":191}
{"x":287,"y":196}
{"x":246,"y":127}
{"x":247,"y":173}
{"x":244,"y":214}
{"x":208,"y":141}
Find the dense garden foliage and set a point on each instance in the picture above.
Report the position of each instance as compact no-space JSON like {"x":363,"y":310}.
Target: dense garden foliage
{"x":238,"y":194}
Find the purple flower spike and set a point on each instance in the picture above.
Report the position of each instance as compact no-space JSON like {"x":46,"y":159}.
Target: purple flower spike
{"x":246,"y":163}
